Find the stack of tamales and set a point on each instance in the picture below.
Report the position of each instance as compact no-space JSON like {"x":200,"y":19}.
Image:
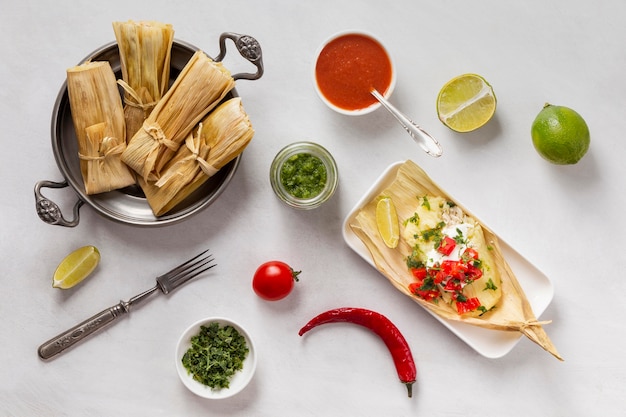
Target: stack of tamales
{"x":98,"y":118}
{"x":145,"y":53}
{"x":201,"y":85}
{"x":219,"y":138}
{"x":175,"y":139}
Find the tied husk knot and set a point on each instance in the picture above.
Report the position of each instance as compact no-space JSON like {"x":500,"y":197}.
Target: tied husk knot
{"x":133,"y":99}
{"x":155,"y":132}
{"x":109,"y":148}
{"x":181,"y":167}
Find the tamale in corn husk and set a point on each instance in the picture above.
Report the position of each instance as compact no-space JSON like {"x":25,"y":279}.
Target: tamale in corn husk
{"x":200,"y":86}
{"x":513,"y":311}
{"x":145,"y":52}
{"x":98,"y":118}
{"x":220,"y":137}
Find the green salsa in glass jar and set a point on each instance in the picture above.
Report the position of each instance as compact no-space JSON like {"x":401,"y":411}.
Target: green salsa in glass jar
{"x":304,"y":175}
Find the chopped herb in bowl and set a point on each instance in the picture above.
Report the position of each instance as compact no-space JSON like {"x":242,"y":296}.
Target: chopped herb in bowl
{"x":215,"y":358}
{"x":216,"y":354}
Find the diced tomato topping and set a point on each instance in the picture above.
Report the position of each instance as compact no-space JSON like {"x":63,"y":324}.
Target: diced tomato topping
{"x":473,"y":273}
{"x":447,"y":266}
{"x":415,"y":288}
{"x":470,"y":304}
{"x":428,"y":295}
{"x":419,"y":273}
{"x":453,"y":285}
{"x":459,"y":270}
{"x":446,"y":246}
{"x":449,"y":276}
{"x":470,"y":253}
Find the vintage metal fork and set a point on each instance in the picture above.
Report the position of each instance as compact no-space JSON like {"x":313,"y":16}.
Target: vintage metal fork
{"x":166,"y":283}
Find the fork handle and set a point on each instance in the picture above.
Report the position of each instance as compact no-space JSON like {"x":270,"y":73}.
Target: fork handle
{"x":81,"y":331}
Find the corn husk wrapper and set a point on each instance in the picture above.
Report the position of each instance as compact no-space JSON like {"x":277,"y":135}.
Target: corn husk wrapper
{"x":98,"y":118}
{"x":220,"y":137}
{"x":201,"y":85}
{"x":145,"y":53}
{"x":512,"y":313}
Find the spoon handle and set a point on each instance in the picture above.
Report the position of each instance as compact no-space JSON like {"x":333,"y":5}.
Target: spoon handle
{"x":429,"y":144}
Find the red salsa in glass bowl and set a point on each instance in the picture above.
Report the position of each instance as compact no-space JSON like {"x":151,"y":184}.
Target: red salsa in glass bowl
{"x":348,"y":66}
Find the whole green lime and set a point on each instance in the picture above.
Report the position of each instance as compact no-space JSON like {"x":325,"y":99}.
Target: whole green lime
{"x":560,"y":135}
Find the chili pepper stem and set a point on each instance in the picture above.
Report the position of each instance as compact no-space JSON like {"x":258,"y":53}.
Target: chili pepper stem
{"x":409,"y":388}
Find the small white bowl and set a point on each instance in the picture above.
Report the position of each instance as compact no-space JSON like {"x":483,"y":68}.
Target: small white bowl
{"x":371,"y":107}
{"x":237,"y":383}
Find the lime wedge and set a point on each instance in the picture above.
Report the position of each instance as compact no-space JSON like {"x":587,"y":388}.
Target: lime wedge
{"x":387,"y":222}
{"x":75,"y":267}
{"x":466,"y":103}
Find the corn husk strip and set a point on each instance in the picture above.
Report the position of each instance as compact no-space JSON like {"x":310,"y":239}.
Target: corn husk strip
{"x":223,"y":134}
{"x":97,"y":114}
{"x":145,"y":54}
{"x":512,"y":313}
{"x":200,"y":87}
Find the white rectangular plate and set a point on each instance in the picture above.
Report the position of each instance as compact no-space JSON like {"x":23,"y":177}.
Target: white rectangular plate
{"x":487,"y":342}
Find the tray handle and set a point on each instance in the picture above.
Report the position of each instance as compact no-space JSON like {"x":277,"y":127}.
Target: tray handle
{"x":49,"y":211}
{"x":249,"y":48}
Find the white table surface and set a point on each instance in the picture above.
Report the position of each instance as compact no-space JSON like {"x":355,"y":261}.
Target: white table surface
{"x":566,"y":220}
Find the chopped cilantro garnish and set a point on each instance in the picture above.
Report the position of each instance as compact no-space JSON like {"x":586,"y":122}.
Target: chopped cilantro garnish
{"x":425,"y":202}
{"x":459,"y":239}
{"x":413,"y":260}
{"x":215,"y":355}
{"x":490,"y":286}
{"x":428,"y":284}
{"x":434,"y":234}
{"x":414,"y":218}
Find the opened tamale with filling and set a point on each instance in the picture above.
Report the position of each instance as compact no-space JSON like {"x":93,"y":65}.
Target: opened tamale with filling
{"x":98,"y":118}
{"x":145,"y":53}
{"x":446,"y":259}
{"x":218,"y":139}
{"x":200,"y":86}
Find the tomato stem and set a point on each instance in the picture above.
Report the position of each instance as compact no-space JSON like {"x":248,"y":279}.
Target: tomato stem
{"x":295,"y":274}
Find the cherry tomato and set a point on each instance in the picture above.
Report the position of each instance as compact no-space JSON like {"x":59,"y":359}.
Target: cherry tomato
{"x":274,"y":280}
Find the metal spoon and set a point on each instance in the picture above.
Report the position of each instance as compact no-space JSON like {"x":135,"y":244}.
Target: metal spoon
{"x":423,"y":139}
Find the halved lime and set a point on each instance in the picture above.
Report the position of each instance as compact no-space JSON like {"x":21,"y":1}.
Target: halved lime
{"x":75,"y":267}
{"x":466,"y":103}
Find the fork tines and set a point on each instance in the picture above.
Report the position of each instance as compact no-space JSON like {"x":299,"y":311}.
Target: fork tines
{"x":186,"y":271}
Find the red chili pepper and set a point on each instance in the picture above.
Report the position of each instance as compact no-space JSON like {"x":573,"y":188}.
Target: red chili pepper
{"x":383,"y":327}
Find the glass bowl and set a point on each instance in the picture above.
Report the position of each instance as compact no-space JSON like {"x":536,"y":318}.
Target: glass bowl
{"x":289,"y":155}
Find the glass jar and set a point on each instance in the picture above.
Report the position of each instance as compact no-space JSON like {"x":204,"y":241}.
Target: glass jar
{"x":304,"y":175}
